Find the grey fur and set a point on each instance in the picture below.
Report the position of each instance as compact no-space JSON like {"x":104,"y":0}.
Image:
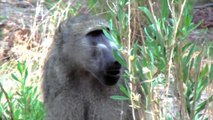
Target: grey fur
{"x":72,"y":90}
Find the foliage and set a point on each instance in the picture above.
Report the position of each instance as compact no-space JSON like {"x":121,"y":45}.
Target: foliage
{"x":165,"y":50}
{"x":23,"y":104}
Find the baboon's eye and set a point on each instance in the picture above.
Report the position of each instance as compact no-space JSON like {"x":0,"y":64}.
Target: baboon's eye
{"x":95,"y":33}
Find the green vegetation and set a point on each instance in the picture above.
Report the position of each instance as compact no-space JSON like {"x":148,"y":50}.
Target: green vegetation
{"x":23,"y":104}
{"x":168,"y":75}
{"x":165,"y":50}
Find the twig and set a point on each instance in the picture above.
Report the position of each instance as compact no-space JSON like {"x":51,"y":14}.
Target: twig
{"x":172,"y":46}
{"x":155,"y":19}
{"x":8,"y":101}
{"x":129,"y":59}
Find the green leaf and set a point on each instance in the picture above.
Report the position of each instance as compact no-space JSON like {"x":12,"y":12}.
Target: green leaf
{"x":92,"y":3}
{"x":189,"y":89}
{"x":140,"y":69}
{"x":187,"y":19}
{"x":116,"y":97}
{"x":20,"y":67}
{"x":14,"y":77}
{"x":198,"y":116}
{"x":204,"y":72}
{"x":165,"y":8}
{"x":124,"y":90}
{"x":119,"y":58}
{"x":189,"y":56}
{"x":185,"y":71}
{"x":197,"y":64}
{"x":147,"y":33}
{"x":25,"y":75}
{"x":169,"y":117}
{"x":110,"y":37}
{"x":202,"y":84}
{"x":34,"y":92}
{"x":202,"y":105}
{"x":110,"y":24}
{"x":211,"y":73}
{"x":147,"y":12}
{"x":120,"y":13}
{"x":152,"y":59}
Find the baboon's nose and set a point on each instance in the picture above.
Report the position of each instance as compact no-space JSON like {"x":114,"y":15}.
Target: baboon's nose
{"x":114,"y":68}
{"x":117,"y":65}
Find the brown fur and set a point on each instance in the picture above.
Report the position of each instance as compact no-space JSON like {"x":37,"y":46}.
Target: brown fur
{"x":72,"y":92}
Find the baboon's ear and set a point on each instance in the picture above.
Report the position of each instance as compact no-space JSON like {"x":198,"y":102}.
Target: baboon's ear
{"x":59,"y":34}
{"x":60,"y":27}
{"x":63,"y":26}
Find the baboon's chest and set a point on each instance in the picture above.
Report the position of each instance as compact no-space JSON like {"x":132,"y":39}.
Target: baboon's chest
{"x":104,"y":110}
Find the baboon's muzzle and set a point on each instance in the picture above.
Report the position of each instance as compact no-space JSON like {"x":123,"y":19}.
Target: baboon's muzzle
{"x":112,"y":73}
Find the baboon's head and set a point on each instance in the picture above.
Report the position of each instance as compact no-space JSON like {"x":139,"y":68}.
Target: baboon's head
{"x":85,"y":46}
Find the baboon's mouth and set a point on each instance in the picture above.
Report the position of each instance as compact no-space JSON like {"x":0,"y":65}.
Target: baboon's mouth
{"x":113,"y":72}
{"x":112,"y":75}
{"x":111,"y":78}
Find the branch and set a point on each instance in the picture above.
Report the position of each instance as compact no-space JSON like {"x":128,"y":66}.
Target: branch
{"x":8,"y":101}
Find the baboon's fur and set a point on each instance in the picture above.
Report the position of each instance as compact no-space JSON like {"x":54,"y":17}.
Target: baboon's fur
{"x":71,"y":92}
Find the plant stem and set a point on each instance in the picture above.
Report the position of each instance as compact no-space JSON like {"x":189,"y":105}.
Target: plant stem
{"x":192,"y":115}
{"x":129,"y":59}
{"x":8,"y":101}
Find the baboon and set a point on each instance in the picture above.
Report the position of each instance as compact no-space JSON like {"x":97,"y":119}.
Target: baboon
{"x":81,"y":73}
